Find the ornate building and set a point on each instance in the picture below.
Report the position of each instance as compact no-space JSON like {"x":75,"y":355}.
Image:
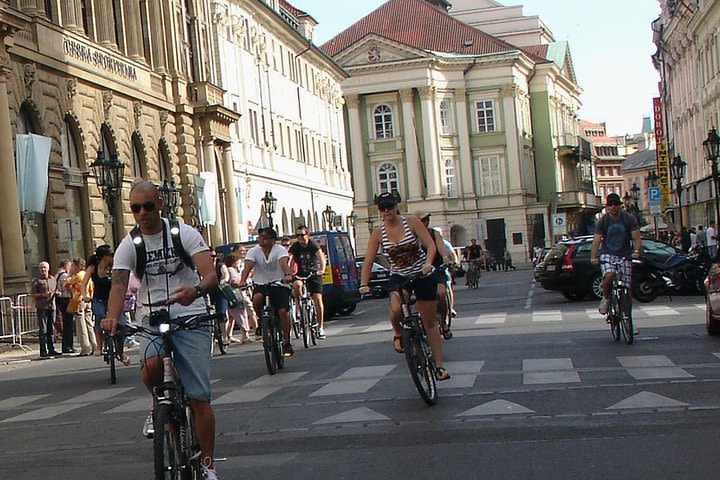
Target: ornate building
{"x":480,"y":133}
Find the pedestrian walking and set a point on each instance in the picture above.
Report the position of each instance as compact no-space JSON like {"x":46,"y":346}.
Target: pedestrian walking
{"x":81,"y":309}
{"x":711,"y":240}
{"x":43,"y":290}
{"x":62,"y":299}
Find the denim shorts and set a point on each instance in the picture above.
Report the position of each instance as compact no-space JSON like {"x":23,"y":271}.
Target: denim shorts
{"x":192,"y":353}
{"x":99,"y":310}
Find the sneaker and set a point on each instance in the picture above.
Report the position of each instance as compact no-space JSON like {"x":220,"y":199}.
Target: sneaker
{"x":288,"y":350}
{"x":453,"y":313}
{"x":209,"y":473}
{"x":603,"y":307}
{"x":132,"y":343}
{"x":321,"y":334}
{"x":148,"y":427}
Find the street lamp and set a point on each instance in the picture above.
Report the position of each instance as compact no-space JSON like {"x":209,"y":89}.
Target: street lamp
{"x":711,"y":145}
{"x":627,"y":200}
{"x":635,"y":194}
{"x":109,"y":176}
{"x":677,"y":169}
{"x":171,"y":196}
{"x":329,"y":216}
{"x":269,"y":202}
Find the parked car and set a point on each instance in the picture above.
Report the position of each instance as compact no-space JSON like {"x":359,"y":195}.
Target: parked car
{"x":712,"y":300}
{"x":379,"y":277}
{"x":341,"y":279}
{"x":567,"y":268}
{"x":538,"y":268}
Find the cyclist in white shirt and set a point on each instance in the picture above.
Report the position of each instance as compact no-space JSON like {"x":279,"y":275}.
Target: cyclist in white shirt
{"x":269,"y":262}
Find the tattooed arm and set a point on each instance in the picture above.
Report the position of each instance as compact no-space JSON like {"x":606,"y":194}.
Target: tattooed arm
{"x":120,"y":280}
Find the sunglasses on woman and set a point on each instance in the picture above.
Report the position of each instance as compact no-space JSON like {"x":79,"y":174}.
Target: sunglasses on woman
{"x":148,"y":206}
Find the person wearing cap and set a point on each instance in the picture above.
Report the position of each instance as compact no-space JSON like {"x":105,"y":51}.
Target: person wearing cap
{"x":442,"y":257}
{"x":406,"y":240}
{"x":613,"y":234}
{"x":270,"y":263}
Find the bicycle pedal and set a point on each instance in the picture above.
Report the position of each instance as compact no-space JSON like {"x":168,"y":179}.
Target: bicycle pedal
{"x":221,"y":459}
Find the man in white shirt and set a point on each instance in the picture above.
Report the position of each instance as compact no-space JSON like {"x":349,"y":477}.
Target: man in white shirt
{"x":712,"y":244}
{"x":269,"y":262}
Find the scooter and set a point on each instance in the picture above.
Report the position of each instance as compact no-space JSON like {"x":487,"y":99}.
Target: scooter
{"x":679,"y":274}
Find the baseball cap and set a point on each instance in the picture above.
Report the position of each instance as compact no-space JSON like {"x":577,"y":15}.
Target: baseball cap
{"x":613,"y":199}
{"x":387,"y":199}
{"x":421,"y":214}
{"x":270,"y":232}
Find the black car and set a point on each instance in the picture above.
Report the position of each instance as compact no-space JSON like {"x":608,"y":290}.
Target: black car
{"x":378,"y":278}
{"x":567,"y":266}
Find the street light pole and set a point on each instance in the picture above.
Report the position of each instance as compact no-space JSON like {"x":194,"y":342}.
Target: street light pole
{"x":711,"y":145}
{"x":109,"y":177}
{"x":677,"y":169}
{"x":269,"y":202}
{"x":329,"y":216}
{"x":170,"y":195}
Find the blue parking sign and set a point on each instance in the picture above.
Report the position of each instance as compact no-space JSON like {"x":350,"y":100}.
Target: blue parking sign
{"x":654,"y":195}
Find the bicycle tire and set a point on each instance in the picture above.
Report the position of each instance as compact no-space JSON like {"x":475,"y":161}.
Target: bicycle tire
{"x":110,"y":349}
{"x":296,"y":322}
{"x":167,"y":449}
{"x":314,"y":326}
{"x":277,"y":344}
{"x":218,"y":338}
{"x":448,"y":302}
{"x":625,"y":317}
{"x":420,"y":371}
{"x":305,"y":324}
{"x":614,"y":318}
{"x":267,"y":342}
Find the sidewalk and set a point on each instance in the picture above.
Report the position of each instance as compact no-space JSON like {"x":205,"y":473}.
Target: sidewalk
{"x":10,"y":354}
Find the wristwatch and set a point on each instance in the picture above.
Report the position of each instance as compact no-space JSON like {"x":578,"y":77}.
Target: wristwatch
{"x":198,"y":291}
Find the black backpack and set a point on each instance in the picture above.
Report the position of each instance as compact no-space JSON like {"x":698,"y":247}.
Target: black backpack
{"x":141,"y":252}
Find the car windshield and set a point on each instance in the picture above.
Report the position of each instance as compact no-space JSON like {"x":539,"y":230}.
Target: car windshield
{"x":656,"y":248}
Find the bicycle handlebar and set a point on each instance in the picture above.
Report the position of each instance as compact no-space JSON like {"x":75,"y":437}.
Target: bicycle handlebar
{"x":182,"y":323}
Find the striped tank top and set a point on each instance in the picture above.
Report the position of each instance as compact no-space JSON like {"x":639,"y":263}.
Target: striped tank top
{"x":406,"y":256}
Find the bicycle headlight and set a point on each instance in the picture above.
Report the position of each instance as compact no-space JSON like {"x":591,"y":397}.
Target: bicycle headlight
{"x":164,"y":327}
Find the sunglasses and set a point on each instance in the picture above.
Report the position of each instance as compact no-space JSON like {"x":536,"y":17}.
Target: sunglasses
{"x":614,"y":204}
{"x":301,"y":235}
{"x":387,"y":207}
{"x":148,"y":206}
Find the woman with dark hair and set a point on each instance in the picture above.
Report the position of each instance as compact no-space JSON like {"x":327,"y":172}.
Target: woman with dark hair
{"x":99,"y":266}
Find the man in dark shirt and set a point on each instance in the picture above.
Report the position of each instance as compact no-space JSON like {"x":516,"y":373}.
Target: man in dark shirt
{"x":43,"y":289}
{"x":472,"y":255}
{"x":308,"y":258}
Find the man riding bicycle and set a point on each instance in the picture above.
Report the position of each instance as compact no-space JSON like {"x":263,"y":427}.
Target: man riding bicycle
{"x":169,"y":284}
{"x":309,"y":259}
{"x":269,"y":262}
{"x":473,"y":256}
{"x":613,"y":233}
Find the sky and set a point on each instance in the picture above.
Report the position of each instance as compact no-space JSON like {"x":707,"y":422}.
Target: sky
{"x":610,"y":43}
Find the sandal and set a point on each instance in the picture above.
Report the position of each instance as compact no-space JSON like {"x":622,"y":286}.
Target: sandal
{"x":446,"y":332}
{"x":125,"y":360}
{"x":441,"y":374}
{"x":397,"y":345}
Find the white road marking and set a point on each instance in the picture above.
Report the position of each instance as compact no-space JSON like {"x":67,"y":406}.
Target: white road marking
{"x":547,"y":316}
{"x":549,"y":370}
{"x":646,"y":367}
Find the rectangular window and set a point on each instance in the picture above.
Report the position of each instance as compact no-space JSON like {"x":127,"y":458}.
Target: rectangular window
{"x":489,"y":176}
{"x":485,"y":116}
{"x":450,"y":178}
{"x":445,"y":119}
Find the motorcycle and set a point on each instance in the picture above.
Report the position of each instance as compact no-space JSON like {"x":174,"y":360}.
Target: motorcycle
{"x":679,"y":274}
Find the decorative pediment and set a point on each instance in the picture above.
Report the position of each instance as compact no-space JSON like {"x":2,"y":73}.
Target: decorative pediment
{"x":374,"y":49}
{"x":568,"y":69}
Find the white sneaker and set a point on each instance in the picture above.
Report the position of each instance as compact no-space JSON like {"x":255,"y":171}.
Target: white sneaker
{"x":321,"y":333}
{"x":603,"y":307}
{"x":148,"y":427}
{"x":209,"y":473}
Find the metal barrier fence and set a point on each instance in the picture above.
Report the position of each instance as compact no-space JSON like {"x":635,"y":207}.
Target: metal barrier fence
{"x":7,"y":325}
{"x":25,"y":319}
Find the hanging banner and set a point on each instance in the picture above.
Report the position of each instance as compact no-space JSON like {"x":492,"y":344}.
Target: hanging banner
{"x":663,"y":160}
{"x":207,"y":203}
{"x":32,"y":157}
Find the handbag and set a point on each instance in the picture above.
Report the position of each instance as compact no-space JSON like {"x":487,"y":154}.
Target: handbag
{"x":228,"y":292}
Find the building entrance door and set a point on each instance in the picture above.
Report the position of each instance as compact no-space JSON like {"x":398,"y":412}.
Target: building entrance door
{"x":496,"y":240}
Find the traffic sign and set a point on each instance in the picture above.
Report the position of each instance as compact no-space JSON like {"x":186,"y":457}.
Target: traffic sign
{"x":654,"y":195}
{"x":559,"y":225}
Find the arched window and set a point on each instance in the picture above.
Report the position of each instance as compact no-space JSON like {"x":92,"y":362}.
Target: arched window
{"x":383,"y":122}
{"x":388,"y":178}
{"x":164,"y":167}
{"x":69,"y":146}
{"x":445,"y":118}
{"x":450,"y":178}
{"x":138,"y":158}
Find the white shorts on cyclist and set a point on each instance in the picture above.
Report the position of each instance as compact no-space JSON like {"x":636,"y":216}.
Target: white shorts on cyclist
{"x":620,"y":265}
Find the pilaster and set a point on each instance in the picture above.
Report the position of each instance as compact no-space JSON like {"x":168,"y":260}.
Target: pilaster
{"x":357,"y":156}
{"x":430,"y":135}
{"x":231,"y":204}
{"x":412,"y":156}
{"x":466,"y":170}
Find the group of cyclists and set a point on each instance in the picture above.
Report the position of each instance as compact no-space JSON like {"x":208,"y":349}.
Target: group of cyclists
{"x":175,"y":287}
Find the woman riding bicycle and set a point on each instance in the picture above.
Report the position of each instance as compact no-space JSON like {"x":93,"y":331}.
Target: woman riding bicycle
{"x":403,"y":238}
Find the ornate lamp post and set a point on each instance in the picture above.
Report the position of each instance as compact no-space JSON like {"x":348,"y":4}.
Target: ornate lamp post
{"x":329,"y":216}
{"x":635,"y":194}
{"x":269,"y":202}
{"x":171,"y":197}
{"x":677,"y":170}
{"x":353,"y":219}
{"x":627,"y":200}
{"x":109,"y":176}
{"x":711,"y":145}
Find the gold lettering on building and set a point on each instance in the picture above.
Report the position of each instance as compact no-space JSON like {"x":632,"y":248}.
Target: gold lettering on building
{"x":98,"y":59}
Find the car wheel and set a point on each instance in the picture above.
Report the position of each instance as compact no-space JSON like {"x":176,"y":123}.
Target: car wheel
{"x":573,"y":296}
{"x":644,"y":290}
{"x":711,"y":323}
{"x":596,"y":287}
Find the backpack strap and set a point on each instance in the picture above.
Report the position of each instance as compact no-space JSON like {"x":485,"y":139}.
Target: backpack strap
{"x":140,"y":252}
{"x":178,"y":246}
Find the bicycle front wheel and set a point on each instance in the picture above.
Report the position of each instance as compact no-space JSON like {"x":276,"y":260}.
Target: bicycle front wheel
{"x":312,"y":322}
{"x":626,"y":322}
{"x":421,"y":371}
{"x":305,"y":324}
{"x":277,"y":344}
{"x":167,"y":450}
{"x":267,"y":339}
{"x":218,"y":338}
{"x":110,"y":352}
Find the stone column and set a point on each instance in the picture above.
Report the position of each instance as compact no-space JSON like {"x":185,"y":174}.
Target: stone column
{"x":105,"y":21}
{"x":231,"y":204}
{"x":465,"y":172}
{"x":69,"y":15}
{"x":216,"y":233}
{"x":133,"y":31}
{"x":363,"y":188}
{"x":13,"y":261}
{"x":430,"y":134}
{"x":157,"y":37}
{"x":513,"y":161}
{"x":31,"y":7}
{"x":413,"y":167}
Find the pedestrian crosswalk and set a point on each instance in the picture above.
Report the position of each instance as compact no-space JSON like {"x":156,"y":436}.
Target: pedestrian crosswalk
{"x":362,"y":383}
{"x":554,"y":315}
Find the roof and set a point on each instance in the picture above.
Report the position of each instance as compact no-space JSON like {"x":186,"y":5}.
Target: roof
{"x":296,"y":12}
{"x":419,"y":24}
{"x":641,"y":159}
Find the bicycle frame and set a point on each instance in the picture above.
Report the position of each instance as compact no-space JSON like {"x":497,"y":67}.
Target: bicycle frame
{"x":619,"y":310}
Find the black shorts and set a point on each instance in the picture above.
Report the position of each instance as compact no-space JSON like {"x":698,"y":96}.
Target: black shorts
{"x":314,"y":284}
{"x":279,"y":296}
{"x":425,"y":288}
